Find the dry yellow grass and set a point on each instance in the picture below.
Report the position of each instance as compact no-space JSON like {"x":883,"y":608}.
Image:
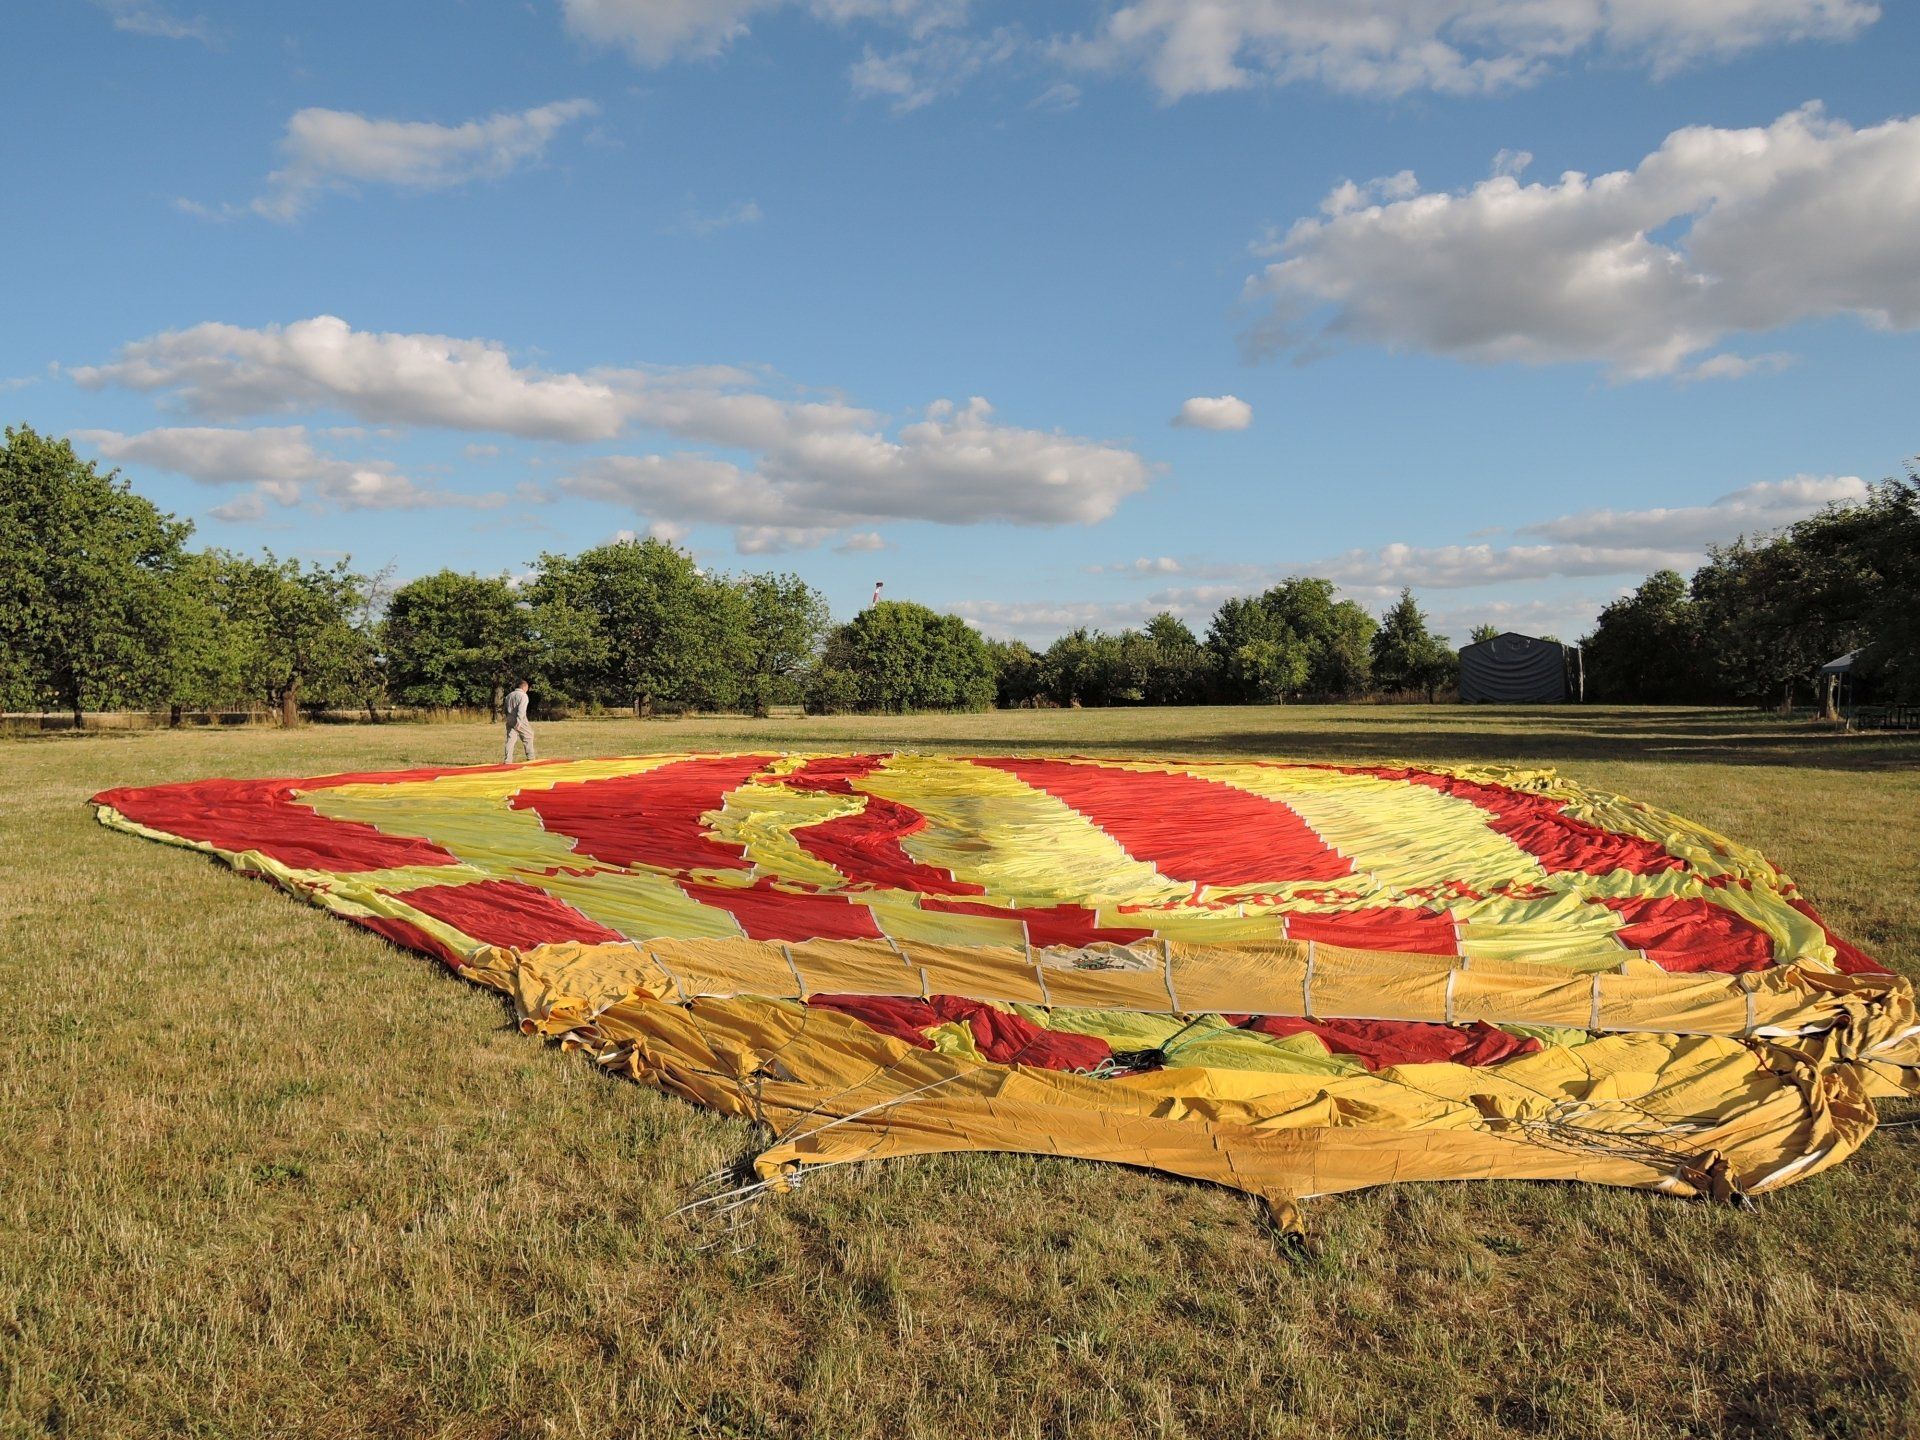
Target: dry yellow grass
{"x":261,"y":1174}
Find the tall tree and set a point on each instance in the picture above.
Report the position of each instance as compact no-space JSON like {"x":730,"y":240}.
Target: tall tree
{"x":1483,"y":632}
{"x":292,"y":628}
{"x":90,"y":581}
{"x":1765,"y":631}
{"x":657,"y":629}
{"x":1257,"y":657}
{"x":1019,"y":677}
{"x":453,"y":639}
{"x":787,"y":621}
{"x":1179,"y":675}
{"x":1645,"y":648}
{"x":1407,"y":655}
{"x":903,"y":656}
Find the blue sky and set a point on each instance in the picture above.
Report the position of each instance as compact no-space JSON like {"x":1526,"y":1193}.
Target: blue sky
{"x":917,"y":289}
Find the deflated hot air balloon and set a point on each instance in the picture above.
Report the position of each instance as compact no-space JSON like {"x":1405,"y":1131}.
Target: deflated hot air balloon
{"x":1289,"y":979}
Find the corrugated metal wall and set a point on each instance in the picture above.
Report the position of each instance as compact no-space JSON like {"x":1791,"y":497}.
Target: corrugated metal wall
{"x":1514,"y":670}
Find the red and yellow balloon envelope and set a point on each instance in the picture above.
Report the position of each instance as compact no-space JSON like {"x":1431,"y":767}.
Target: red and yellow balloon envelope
{"x":1289,"y":979}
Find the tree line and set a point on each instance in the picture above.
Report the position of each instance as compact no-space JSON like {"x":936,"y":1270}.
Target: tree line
{"x":1758,"y":620}
{"x":104,"y":606}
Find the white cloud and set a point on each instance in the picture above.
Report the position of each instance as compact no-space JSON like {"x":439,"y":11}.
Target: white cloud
{"x":1456,"y":47}
{"x":818,"y":466}
{"x":1040,"y":622}
{"x":916,"y":75}
{"x":1447,"y":567}
{"x":281,"y":464}
{"x":1805,"y":218}
{"x":326,"y":150}
{"x":654,"y":32}
{"x":143,"y":17}
{"x":862,"y":541}
{"x":1215,"y":412}
{"x":224,"y":372}
{"x":823,"y":468}
{"x":1764,"y":506}
{"x":1728,"y":366}
{"x":1186,"y":47}
{"x":1567,"y":618}
{"x":699,"y":224}
{"x":1590,"y":543}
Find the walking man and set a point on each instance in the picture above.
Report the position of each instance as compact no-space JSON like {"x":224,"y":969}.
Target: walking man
{"x":517,"y":726}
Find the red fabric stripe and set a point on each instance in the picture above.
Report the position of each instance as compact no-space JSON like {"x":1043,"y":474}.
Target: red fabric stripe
{"x":999,"y":1035}
{"x":506,"y":912}
{"x":1848,"y":958}
{"x":1691,"y":934}
{"x":652,"y":818}
{"x":1055,"y":925}
{"x":1188,"y":827}
{"x":1379,"y":1043}
{"x":1379,"y":927}
{"x":769,"y":914}
{"x":408,"y":936}
{"x":265,"y":815}
{"x":865,"y":846}
{"x":1537,"y":825}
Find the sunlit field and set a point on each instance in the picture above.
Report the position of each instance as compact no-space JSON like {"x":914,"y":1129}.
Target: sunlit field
{"x":262,"y":1173}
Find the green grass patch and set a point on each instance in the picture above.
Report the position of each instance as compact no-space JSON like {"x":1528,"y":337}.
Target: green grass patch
{"x":260,"y":1173}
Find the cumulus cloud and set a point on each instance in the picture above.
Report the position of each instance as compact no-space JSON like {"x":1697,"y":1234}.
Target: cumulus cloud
{"x":862,"y":542}
{"x":701,"y":224}
{"x":816,"y":466}
{"x":1448,"y":567}
{"x":225,"y":372}
{"x":1378,"y":48}
{"x":1041,"y":621}
{"x":1455,"y":47}
{"x":915,"y":75}
{"x":654,"y":32}
{"x":1766,"y":505}
{"x":1569,"y":618}
{"x":822,"y":468}
{"x":1142,"y":565}
{"x":143,"y":17}
{"x":281,"y":464}
{"x":1802,"y":219}
{"x":328,"y":150}
{"x":1215,"y":412}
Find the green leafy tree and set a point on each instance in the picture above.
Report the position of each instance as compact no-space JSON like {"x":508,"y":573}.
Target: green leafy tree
{"x":91,"y":582}
{"x":787,"y":621}
{"x":1864,"y":579}
{"x":904,"y":657}
{"x":1067,"y":667}
{"x":637,"y":620}
{"x":204,"y":667}
{"x":453,"y":639}
{"x":1484,"y":632}
{"x":292,"y":628}
{"x":1257,"y":657}
{"x":1180,"y":674}
{"x":1766,"y":631}
{"x":1407,"y":655}
{"x":1646,"y":647}
{"x":831,"y":690}
{"x":1019,"y":677}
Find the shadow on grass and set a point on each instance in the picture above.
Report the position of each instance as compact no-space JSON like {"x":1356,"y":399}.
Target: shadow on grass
{"x":1457,"y":734}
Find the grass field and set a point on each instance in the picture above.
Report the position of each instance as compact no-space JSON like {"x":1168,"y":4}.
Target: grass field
{"x":262,"y":1174}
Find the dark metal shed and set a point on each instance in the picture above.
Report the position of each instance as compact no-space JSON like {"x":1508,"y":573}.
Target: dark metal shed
{"x":1515,"y":669}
